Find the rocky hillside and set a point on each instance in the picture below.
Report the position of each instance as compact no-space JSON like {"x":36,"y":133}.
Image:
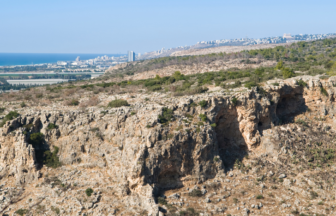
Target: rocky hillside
{"x":264,"y":151}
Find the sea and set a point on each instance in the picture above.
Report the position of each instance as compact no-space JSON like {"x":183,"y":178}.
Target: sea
{"x":11,"y":59}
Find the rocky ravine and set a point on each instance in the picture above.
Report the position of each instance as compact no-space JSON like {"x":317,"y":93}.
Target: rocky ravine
{"x":130,"y":159}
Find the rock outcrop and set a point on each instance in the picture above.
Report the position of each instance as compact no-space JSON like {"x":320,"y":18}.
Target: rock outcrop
{"x":130,"y":157}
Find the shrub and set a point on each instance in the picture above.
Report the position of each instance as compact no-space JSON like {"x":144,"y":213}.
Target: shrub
{"x":2,"y":109}
{"x":260,"y":197}
{"x":313,"y":195}
{"x":167,"y":115}
{"x":203,"y":117}
{"x":203,"y":103}
{"x":155,"y":88}
{"x":21,"y":212}
{"x":235,"y":200}
{"x":72,"y":102}
{"x":117,"y":103}
{"x":51,"y":159}
{"x":195,"y":193}
{"x":52,"y":126}
{"x":324,"y":92}
{"x":234,"y":101}
{"x":287,"y":73}
{"x":10,"y":116}
{"x":302,"y":83}
{"x":162,"y":201}
{"x":133,"y":113}
{"x":213,"y":125}
{"x":95,"y":129}
{"x":89,"y":191}
{"x":320,"y":203}
{"x":36,"y":139}
{"x":55,"y":209}
{"x":251,"y":84}
{"x":23,"y":104}
{"x":275,"y":84}
{"x":216,"y":159}
{"x":279,"y":66}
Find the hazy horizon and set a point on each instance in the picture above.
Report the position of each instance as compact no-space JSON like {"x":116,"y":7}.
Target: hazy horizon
{"x":90,"y":27}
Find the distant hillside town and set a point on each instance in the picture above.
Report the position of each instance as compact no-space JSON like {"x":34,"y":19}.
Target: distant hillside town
{"x":286,"y":38}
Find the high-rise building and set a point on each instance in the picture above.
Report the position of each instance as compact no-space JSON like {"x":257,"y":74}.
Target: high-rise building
{"x":131,"y":56}
{"x":78,"y":58}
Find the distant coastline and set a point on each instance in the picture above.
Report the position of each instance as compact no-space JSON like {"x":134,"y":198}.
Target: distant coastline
{"x":14,"y":59}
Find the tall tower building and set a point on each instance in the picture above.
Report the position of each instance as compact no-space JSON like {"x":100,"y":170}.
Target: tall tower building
{"x":131,"y":56}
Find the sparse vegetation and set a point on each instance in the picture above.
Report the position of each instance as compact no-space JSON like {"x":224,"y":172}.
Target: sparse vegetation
{"x":195,"y":193}
{"x":203,"y":103}
{"x":234,"y":101}
{"x":89,"y":192}
{"x":22,"y":212}
{"x":166,"y":116}
{"x":52,"y":126}
{"x":10,"y":116}
{"x":51,"y":158}
{"x":203,"y":117}
{"x":117,"y":103}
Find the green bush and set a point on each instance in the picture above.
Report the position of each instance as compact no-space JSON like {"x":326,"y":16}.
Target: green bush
{"x":51,"y":159}
{"x":302,"y":83}
{"x":117,"y":103}
{"x":10,"y":116}
{"x":250,"y":84}
{"x":73,"y":102}
{"x":52,"y":126}
{"x":89,"y":191}
{"x":36,"y":139}
{"x":155,"y":88}
{"x":260,"y":197}
{"x":23,"y":104}
{"x":279,"y":66}
{"x":195,"y":193}
{"x":324,"y":92}
{"x":2,"y":109}
{"x":162,"y":201}
{"x":167,"y":115}
{"x":55,"y":209}
{"x":21,"y":212}
{"x":213,"y":125}
{"x":203,"y":103}
{"x":287,"y":73}
{"x":203,"y":117}
{"x":234,"y":101}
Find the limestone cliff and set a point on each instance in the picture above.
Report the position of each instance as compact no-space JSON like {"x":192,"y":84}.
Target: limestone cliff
{"x":129,"y":157}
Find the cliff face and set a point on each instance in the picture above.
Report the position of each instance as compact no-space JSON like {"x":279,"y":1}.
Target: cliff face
{"x":129,"y":158}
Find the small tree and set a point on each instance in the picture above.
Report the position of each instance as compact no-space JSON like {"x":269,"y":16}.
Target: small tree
{"x":287,"y":73}
{"x":279,"y":66}
{"x":89,"y":191}
{"x":234,"y":101}
{"x":117,"y":103}
{"x":203,"y":103}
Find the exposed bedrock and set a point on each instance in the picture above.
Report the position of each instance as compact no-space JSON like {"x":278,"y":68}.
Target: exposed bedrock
{"x":143,"y":157}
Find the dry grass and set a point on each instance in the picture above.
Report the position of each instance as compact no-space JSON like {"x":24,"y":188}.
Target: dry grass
{"x":93,"y":101}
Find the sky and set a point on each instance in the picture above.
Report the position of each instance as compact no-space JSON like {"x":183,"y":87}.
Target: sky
{"x":114,"y":27}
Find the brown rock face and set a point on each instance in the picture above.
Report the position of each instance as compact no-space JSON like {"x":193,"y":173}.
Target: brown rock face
{"x":134,"y":157}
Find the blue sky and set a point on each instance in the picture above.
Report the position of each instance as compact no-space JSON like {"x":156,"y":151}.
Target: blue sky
{"x":109,"y":26}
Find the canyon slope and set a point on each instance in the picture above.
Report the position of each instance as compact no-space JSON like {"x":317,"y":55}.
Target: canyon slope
{"x":263,"y":151}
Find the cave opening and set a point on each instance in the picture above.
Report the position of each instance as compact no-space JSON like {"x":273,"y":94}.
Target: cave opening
{"x":231,"y":143}
{"x":290,"y":106}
